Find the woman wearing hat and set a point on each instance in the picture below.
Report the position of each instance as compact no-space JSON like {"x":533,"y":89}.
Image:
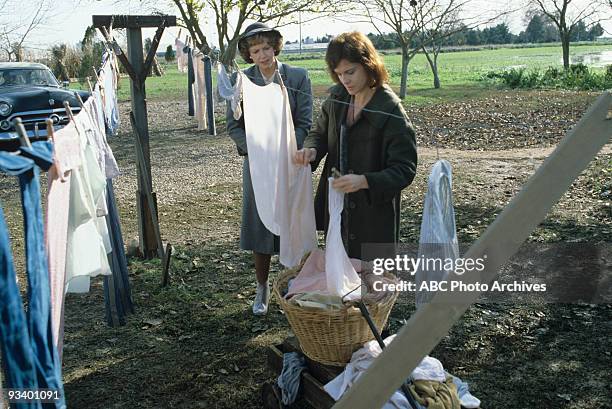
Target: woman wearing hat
{"x":365,"y":133}
{"x":260,"y":45}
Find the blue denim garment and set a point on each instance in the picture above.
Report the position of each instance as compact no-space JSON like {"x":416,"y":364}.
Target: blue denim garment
{"x":43,"y":353}
{"x":190,"y":81}
{"x":117,"y":292}
{"x":14,"y":339}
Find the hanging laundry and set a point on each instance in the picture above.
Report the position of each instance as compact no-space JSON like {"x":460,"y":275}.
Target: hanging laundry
{"x":438,"y":239}
{"x":29,"y":354}
{"x":108,"y":80}
{"x":66,"y":157}
{"x":229,"y":92}
{"x":181,"y":57}
{"x":339,"y":271}
{"x":118,"y":298}
{"x":87,"y":247}
{"x":117,"y":291}
{"x":199,"y":91}
{"x":283,"y":190}
{"x":190,"y":80}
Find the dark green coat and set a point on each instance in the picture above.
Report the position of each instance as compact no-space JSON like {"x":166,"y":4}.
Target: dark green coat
{"x":381,"y":147}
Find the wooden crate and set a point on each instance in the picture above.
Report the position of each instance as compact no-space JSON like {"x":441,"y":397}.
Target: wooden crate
{"x":311,"y":383}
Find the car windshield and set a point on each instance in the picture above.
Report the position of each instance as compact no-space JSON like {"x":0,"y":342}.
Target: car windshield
{"x":27,"y":76}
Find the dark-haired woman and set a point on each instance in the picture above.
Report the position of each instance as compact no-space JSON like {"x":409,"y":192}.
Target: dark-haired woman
{"x":260,"y":45}
{"x":364,"y":132}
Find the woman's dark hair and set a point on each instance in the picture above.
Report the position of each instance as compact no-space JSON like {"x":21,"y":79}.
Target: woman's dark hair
{"x":355,"y":47}
{"x":274,"y":39}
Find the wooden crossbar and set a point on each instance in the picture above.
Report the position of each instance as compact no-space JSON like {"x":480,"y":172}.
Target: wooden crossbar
{"x":499,"y":242}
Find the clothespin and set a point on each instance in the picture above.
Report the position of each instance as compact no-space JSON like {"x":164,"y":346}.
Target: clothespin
{"x":179,"y":34}
{"x":89,"y":85}
{"x":68,"y":111}
{"x":23,"y":135}
{"x":79,"y":99}
{"x":95,"y":74}
{"x":50,"y":131}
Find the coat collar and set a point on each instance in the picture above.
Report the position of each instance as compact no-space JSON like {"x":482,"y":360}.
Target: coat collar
{"x":384,"y":100}
{"x":255,"y":74}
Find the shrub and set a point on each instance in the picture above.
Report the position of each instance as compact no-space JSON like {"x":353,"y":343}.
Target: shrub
{"x":578,"y":76}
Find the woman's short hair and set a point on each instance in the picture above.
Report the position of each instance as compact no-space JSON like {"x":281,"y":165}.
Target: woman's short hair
{"x":356,"y":47}
{"x":274,"y":39}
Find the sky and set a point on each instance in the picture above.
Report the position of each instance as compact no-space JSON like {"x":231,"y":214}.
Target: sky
{"x":69,"y":19}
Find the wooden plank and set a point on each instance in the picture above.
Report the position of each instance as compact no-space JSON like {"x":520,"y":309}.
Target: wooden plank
{"x":166,"y":268}
{"x":499,"y":242}
{"x":150,"y":200}
{"x":154,"y":44}
{"x":146,"y":235}
{"x":324,"y":373}
{"x":136,"y":80}
{"x":311,"y":389}
{"x":125,"y":21}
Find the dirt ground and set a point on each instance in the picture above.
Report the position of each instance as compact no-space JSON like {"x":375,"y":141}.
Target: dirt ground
{"x":195,"y":344}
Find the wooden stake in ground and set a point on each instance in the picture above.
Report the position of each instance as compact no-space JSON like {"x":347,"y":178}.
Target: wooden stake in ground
{"x":152,"y":206}
{"x":498,"y":243}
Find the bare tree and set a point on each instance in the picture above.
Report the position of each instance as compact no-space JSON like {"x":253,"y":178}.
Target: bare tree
{"x":434,"y":32}
{"x":231,"y":16}
{"x":566,"y":16}
{"x":417,"y":24}
{"x":14,"y":30}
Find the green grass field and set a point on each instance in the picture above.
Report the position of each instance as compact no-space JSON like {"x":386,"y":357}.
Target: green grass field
{"x":459,"y":72}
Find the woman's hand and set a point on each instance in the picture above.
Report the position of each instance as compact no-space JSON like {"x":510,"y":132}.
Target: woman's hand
{"x":350,"y":183}
{"x":305,"y":156}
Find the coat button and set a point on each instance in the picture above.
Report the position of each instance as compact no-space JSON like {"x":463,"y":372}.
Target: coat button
{"x":352,"y":236}
{"x":352,"y":205}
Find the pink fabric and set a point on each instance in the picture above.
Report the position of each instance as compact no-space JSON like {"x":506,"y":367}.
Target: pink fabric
{"x":312,"y":276}
{"x":66,"y":156}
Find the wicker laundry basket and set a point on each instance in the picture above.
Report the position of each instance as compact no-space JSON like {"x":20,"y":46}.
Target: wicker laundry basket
{"x":331,"y":336}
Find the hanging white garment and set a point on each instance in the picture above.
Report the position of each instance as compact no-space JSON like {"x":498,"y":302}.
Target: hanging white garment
{"x":181,"y":56}
{"x":438,"y":237}
{"x":199,"y":91}
{"x":88,"y":241}
{"x":339,"y":271}
{"x":108,"y":81}
{"x":283,"y":190}
{"x":229,"y":92}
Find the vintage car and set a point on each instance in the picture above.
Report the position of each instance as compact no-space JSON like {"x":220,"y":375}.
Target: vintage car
{"x":31,"y":92}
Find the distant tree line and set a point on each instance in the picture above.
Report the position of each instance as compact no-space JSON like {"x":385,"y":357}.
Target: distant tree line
{"x":539,"y":30}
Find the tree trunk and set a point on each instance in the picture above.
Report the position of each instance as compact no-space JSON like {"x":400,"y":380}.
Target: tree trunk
{"x":157,"y":69}
{"x":433,"y":64}
{"x":435,"y":71}
{"x":404,"y":80}
{"x":229,"y":54}
{"x":565,"y":44}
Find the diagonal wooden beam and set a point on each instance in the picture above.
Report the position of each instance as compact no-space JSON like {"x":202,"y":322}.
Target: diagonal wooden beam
{"x":122,"y":57}
{"x":499,"y":242}
{"x":152,"y":51}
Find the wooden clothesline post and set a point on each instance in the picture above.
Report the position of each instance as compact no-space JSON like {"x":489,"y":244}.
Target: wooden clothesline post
{"x":137,"y":68}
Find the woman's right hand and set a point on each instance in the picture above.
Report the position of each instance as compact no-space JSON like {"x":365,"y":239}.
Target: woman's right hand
{"x":305,"y":156}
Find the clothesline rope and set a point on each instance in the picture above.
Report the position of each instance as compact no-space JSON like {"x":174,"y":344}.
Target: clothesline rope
{"x":329,"y":99}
